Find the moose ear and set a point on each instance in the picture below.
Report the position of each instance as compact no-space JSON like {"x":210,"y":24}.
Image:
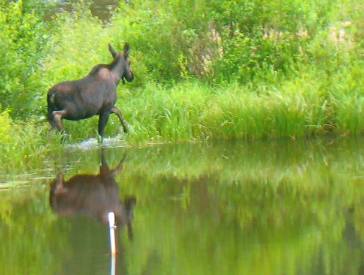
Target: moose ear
{"x":126,"y":50}
{"x":112,"y":51}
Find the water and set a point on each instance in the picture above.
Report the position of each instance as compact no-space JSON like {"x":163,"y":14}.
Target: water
{"x":275,"y":208}
{"x":103,"y":9}
{"x":226,"y":208}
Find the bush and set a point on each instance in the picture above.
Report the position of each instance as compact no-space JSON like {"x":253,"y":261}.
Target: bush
{"x":23,"y":38}
{"x":263,"y":68}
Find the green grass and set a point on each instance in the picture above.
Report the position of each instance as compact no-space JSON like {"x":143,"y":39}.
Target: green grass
{"x":302,"y":107}
{"x":256,"y":85}
{"x":25,"y":145}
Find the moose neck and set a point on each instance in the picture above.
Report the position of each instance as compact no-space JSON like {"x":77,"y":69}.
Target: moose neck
{"x":117,"y":70}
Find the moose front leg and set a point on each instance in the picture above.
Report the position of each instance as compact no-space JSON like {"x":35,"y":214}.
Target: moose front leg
{"x":58,"y":187}
{"x":121,"y":118}
{"x":103,"y":118}
{"x":57,"y":119}
{"x":129,"y":207}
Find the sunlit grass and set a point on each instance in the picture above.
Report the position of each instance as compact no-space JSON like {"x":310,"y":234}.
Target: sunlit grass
{"x":24,"y":145}
{"x":195,"y":111}
{"x":323,"y":95}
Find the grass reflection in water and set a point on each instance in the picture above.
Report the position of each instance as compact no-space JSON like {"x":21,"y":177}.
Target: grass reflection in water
{"x":228,"y":208}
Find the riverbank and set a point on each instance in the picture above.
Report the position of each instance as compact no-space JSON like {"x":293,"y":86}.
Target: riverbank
{"x":304,"y":107}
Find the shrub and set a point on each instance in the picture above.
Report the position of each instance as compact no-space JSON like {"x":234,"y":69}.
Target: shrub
{"x":23,"y":37}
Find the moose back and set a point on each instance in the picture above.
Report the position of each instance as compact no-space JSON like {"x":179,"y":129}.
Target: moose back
{"x":92,"y":95}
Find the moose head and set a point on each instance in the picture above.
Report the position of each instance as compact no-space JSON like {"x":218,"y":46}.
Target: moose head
{"x":122,"y":62}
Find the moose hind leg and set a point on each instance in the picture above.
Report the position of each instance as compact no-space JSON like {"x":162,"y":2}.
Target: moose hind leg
{"x":123,"y":122}
{"x":103,"y":118}
{"x":51,"y":119}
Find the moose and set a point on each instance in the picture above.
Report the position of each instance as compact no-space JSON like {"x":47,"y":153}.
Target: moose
{"x":92,"y":95}
{"x":93,"y":195}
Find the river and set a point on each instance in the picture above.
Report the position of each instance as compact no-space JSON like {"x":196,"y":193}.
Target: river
{"x":268,"y":208}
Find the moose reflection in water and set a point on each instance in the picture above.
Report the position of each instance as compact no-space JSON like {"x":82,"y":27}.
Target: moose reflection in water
{"x":93,"y":195}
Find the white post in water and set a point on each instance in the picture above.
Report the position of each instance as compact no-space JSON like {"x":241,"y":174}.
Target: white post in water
{"x":111,"y":217}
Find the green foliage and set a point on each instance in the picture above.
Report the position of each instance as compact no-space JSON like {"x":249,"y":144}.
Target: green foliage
{"x":226,"y":40}
{"x":204,"y":69}
{"x":5,"y":123}
{"x":23,"y":38}
{"x":22,"y":144}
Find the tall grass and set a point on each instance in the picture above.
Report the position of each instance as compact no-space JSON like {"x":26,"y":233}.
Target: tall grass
{"x":24,"y":145}
{"x":191,"y":111}
{"x":301,"y":107}
{"x":292,"y":69}
{"x":286,"y":81}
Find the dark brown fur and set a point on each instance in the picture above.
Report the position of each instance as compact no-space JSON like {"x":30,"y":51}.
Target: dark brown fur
{"x":92,"y":95}
{"x":92,"y":195}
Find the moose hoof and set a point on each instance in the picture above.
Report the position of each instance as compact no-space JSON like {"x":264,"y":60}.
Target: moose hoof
{"x":100,"y":139}
{"x":126,"y":128}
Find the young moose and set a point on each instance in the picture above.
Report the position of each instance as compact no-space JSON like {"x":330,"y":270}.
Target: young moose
{"x":92,"y":95}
